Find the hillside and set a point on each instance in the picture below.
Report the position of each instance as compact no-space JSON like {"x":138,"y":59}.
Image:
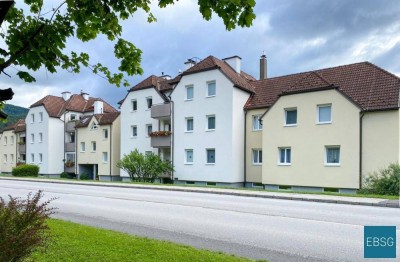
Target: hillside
{"x":14,"y":113}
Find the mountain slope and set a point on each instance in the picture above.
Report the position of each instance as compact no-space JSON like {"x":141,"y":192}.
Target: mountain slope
{"x":14,"y":113}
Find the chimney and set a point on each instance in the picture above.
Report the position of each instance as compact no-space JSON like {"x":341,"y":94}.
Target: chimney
{"x":98,"y":107}
{"x":263,"y":66}
{"x":85,"y":95}
{"x":234,"y":62}
{"x":166,"y":77}
{"x":66,"y":95}
{"x":189,"y":63}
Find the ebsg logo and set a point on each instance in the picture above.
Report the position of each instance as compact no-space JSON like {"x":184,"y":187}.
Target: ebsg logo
{"x":379,"y":242}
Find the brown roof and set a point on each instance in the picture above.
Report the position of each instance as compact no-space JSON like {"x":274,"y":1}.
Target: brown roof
{"x":368,"y":86}
{"x":102,"y":119}
{"x":241,"y":80}
{"x":17,"y":127}
{"x":56,"y":106}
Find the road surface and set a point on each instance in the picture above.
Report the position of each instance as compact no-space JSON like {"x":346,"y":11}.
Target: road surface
{"x":259,"y":228}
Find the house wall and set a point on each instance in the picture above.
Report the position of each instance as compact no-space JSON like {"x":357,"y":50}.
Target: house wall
{"x":9,"y":149}
{"x":253,"y":141}
{"x":54,"y":144}
{"x":116,"y":146}
{"x":308,"y":140}
{"x":141,"y":117}
{"x":380,"y":140}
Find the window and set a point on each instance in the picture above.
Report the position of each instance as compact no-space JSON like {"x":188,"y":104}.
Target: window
{"x":189,"y":92}
{"x":32,"y":158}
{"x":71,"y":137}
{"x":134,"y":131}
{"x":32,"y":138}
{"x":32,"y":118}
{"x":211,"y":88}
{"x":12,"y":140}
{"x":105,"y":157}
{"x":70,"y":157}
{"x":210,"y":156}
{"x":11,"y":158}
{"x":188,"y":156}
{"x":324,"y":114}
{"x":134,"y":105}
{"x":149,"y":102}
{"x":257,"y":156}
{"x":5,"y":158}
{"x":83,"y":147}
{"x":149,"y":129}
{"x":93,"y":146}
{"x":40,"y":117}
{"x":285,"y":156}
{"x":40,"y":158}
{"x":147,"y":153}
{"x":40,"y":137}
{"x":257,"y":124}
{"x":5,"y":140}
{"x":332,"y":155}
{"x":189,"y":124}
{"x":94,"y":126}
{"x":211,"y":122}
{"x":105,"y":133}
{"x":290,"y":117}
{"x":72,"y":117}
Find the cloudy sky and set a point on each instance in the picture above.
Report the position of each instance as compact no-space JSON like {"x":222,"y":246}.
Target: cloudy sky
{"x":296,"y":36}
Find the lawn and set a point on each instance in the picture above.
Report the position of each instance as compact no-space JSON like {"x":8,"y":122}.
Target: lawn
{"x":74,"y":242}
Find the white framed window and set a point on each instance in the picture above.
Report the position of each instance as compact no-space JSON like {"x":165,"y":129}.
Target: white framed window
{"x":70,"y":157}
{"x":32,"y":138}
{"x":285,"y":156}
{"x":257,"y":156}
{"x":149,"y":129}
{"x":211,"y":89}
{"x":189,"y":124}
{"x":134,"y":104}
{"x":189,"y":92}
{"x":189,"y":156}
{"x":324,"y":114}
{"x":105,"y":133}
{"x":12,"y":158}
{"x":210,"y":122}
{"x":5,"y":140}
{"x":40,"y":117}
{"x":94,"y":146}
{"x":134,"y":131}
{"x":5,"y":158}
{"x":72,"y":117}
{"x":332,"y":155}
{"x":94,"y":126}
{"x":40,"y":137}
{"x":32,"y":118}
{"x":290,"y":116}
{"x":83,"y":147}
{"x":12,"y":140}
{"x":33,"y":158}
{"x":257,"y":124}
{"x":149,"y":101}
{"x":105,"y":157}
{"x":148,"y":153}
{"x":40,"y":158}
{"x":210,"y":152}
{"x":71,"y":137}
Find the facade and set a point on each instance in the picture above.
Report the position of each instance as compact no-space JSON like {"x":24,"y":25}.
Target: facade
{"x":50,"y":130}
{"x":98,"y":146}
{"x":12,"y":146}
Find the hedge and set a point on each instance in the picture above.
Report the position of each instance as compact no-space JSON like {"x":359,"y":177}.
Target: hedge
{"x":26,"y":170}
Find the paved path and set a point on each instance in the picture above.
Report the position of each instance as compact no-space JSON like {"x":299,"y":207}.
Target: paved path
{"x":261,"y":228}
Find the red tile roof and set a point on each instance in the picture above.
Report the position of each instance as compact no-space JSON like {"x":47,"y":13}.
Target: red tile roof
{"x":102,"y":119}
{"x":56,"y":106}
{"x":17,"y":127}
{"x":367,"y":85}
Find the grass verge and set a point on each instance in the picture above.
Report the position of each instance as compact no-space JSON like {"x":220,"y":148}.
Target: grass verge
{"x":74,"y":242}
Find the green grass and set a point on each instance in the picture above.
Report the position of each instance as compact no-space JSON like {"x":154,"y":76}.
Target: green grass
{"x":74,"y":242}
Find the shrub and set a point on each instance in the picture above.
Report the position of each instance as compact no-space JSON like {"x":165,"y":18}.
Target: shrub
{"x":84,"y":176}
{"x":384,"y":182}
{"x":23,"y":228}
{"x":64,"y":175}
{"x":25,"y":170}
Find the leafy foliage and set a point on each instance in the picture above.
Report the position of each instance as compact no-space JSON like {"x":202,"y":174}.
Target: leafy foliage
{"x":25,"y":170}
{"x":384,"y":182}
{"x":23,"y":227}
{"x":38,"y":38}
{"x":14,"y":113}
{"x":144,"y":167}
{"x":84,"y":176}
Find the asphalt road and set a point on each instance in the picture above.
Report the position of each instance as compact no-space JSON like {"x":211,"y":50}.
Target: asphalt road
{"x":277,"y":230}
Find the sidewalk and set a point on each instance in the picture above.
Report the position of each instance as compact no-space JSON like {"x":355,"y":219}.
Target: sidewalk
{"x":234,"y":192}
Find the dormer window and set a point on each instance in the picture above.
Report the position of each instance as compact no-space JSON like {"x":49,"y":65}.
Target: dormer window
{"x":94,"y":126}
{"x":72,"y":117}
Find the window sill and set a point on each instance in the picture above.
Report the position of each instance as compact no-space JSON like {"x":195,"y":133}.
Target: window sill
{"x":210,"y":130}
{"x":188,"y":131}
{"x":186,"y":100}
{"x":257,"y":130}
{"x":332,"y":165}
{"x":324,"y":123}
{"x":134,"y":137}
{"x":190,"y":164}
{"x":290,"y":125}
{"x":284,"y":164}
{"x":133,"y":111}
{"x":211,"y":96}
{"x":257,"y":164}
{"x":210,"y":164}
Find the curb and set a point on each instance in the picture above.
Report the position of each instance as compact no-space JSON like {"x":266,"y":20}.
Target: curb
{"x":220,"y":191}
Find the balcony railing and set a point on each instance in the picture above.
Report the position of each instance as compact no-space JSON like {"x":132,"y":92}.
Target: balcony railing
{"x":69,"y":147}
{"x":161,"y":111}
{"x":161,"y":141}
{"x":22,"y":148}
{"x":70,"y":126}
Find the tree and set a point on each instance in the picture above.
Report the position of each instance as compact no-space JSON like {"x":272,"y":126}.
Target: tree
{"x":38,"y":38}
{"x":144,"y":168}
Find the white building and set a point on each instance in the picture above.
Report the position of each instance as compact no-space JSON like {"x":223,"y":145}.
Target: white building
{"x":50,"y":130}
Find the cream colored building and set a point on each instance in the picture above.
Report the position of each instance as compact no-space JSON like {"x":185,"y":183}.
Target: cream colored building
{"x":12,"y":146}
{"x":98,"y":146}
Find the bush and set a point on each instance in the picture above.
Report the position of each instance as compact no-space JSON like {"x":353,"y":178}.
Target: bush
{"x":64,"y":175}
{"x":23,"y":228}
{"x":25,"y":170}
{"x":84,"y":176}
{"x":384,"y":182}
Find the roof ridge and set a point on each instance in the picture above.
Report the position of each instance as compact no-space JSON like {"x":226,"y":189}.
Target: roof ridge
{"x":383,"y":70}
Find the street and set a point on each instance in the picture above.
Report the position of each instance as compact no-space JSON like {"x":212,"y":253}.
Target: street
{"x":259,"y":228}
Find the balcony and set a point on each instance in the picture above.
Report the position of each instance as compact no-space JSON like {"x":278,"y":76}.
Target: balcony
{"x":161,"y":139}
{"x":161,"y":111}
{"x":70,"y":126}
{"x":22,"y":148}
{"x":69,"y":147}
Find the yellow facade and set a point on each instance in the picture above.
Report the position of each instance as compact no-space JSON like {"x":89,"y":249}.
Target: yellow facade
{"x":8,"y":152}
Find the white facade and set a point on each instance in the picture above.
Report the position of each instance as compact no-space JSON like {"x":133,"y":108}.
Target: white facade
{"x":139,"y":119}
{"x":227,"y":139}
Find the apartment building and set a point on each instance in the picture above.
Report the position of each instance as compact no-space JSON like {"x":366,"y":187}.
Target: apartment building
{"x":50,"y":130}
{"x":12,"y":146}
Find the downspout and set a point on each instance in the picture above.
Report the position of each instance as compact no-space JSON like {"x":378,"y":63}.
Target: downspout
{"x":111,"y":151}
{"x":245,"y":145}
{"x":360,"y":161}
{"x":172,"y":136}
{"x":76,"y":150}
{"x":65,"y":130}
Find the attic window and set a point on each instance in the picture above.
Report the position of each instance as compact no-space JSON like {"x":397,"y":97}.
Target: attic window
{"x":94,"y":126}
{"x":149,"y":102}
{"x":73,"y":117}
